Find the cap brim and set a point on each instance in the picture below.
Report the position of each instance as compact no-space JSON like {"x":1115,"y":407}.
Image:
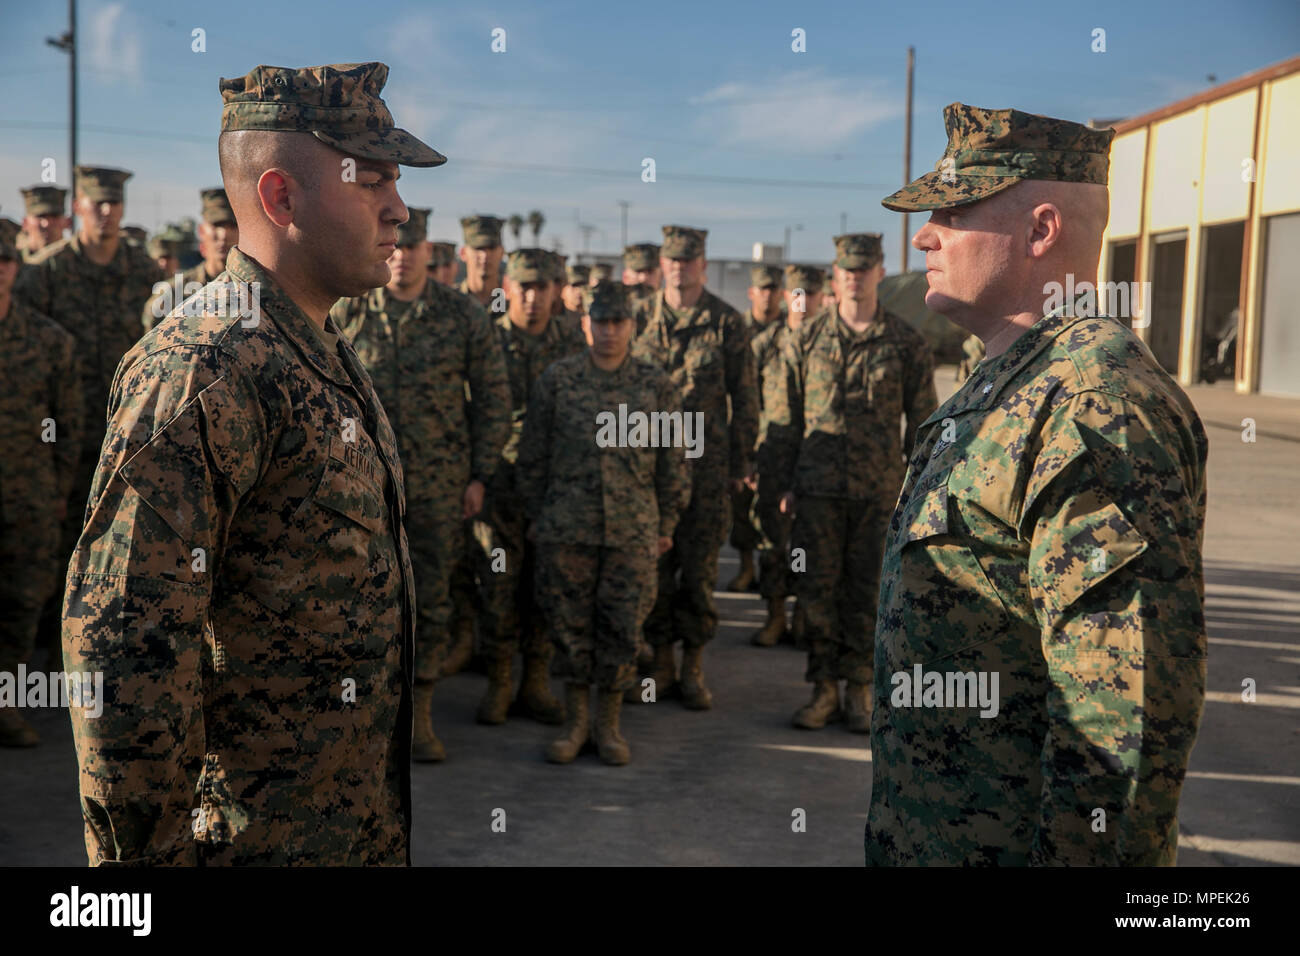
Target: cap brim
{"x":385,"y":146}
{"x":931,"y":192}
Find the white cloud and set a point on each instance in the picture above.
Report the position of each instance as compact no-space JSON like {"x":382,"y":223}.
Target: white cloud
{"x":803,"y":110}
{"x":112,"y":48}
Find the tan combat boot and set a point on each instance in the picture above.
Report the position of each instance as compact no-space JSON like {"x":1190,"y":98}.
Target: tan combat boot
{"x":462,"y":646}
{"x":496,"y":699}
{"x":695,"y":696}
{"x":745,"y":578}
{"x":16,"y":732}
{"x":824,"y":707}
{"x":613,"y":748}
{"x":663,"y":672}
{"x":425,"y":745}
{"x":535,"y":699}
{"x":857,"y":705}
{"x":770,"y":634}
{"x":577,"y":723}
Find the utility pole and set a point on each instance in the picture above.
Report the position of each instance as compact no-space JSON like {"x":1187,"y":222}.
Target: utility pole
{"x":68,"y":44}
{"x":844,"y":223}
{"x":907,"y":153}
{"x":623,"y":203}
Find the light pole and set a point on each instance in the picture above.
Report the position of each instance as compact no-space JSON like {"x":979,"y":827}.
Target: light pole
{"x":68,"y":44}
{"x":623,"y":203}
{"x":798,"y":227}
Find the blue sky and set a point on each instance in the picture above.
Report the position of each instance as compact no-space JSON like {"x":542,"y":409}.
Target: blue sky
{"x":748,"y":137}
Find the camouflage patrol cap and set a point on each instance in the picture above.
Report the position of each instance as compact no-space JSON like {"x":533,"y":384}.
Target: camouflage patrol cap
{"x":683,"y":242}
{"x":444,"y":253}
{"x":9,"y":231}
{"x":166,"y":243}
{"x":606,"y":302}
{"x":557,"y":266}
{"x":528,"y":265}
{"x":764,"y":277}
{"x":136,"y":235}
{"x":992,"y":150}
{"x":858,"y":250}
{"x":808,"y":278}
{"x":45,"y":200}
{"x":216,"y":206}
{"x":101,"y":183}
{"x":482,"y":232}
{"x":416,"y":228}
{"x":601,"y":272}
{"x":339,"y":104}
{"x":578,"y":275}
{"x":642,"y":256}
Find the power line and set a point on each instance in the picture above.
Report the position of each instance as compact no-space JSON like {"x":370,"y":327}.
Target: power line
{"x":497,"y":164}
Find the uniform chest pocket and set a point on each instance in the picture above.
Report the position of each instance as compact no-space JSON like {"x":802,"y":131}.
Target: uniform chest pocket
{"x":346,"y":489}
{"x":943,"y":601}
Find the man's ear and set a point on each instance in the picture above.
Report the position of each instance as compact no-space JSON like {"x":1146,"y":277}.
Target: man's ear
{"x":275,"y":195}
{"x":1044,"y":229}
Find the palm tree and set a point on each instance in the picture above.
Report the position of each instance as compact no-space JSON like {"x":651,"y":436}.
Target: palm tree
{"x":516,"y":223}
{"x":535,"y":222}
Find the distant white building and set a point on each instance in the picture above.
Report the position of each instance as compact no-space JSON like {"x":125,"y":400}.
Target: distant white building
{"x":1205,"y":206}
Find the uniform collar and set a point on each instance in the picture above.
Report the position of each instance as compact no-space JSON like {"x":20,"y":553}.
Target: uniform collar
{"x":378,"y":298}
{"x":876,"y":329}
{"x":985,"y":386}
{"x":289,"y":318}
{"x":115,"y":266}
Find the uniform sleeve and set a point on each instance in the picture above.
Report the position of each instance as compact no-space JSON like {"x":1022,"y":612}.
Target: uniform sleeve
{"x":742,"y":389}
{"x":672,"y":473}
{"x":919,"y":396}
{"x":1113,"y":514}
{"x":139,"y":586}
{"x":783,"y":416}
{"x":532,"y":472}
{"x":35,"y":289}
{"x":70,"y":413}
{"x":489,"y":407}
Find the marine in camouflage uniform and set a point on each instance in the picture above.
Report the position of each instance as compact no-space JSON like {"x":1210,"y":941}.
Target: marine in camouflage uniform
{"x":434,"y":358}
{"x":531,"y":340}
{"x":704,"y":349}
{"x":218,"y":234}
{"x":46,"y":219}
{"x":802,"y":293}
{"x":851,"y":379}
{"x":243,"y":581}
{"x":99,"y":302}
{"x":40,"y":419}
{"x":442,"y":262}
{"x":764,"y":311}
{"x":1049,"y":532}
{"x":165,"y":250}
{"x":482,"y":254}
{"x":642,"y":276}
{"x":600,"y":513}
{"x":972,"y":350}
{"x":576,"y":279}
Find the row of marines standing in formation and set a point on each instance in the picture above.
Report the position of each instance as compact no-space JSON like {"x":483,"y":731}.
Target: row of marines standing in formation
{"x":241,"y":575}
{"x":534,"y":533}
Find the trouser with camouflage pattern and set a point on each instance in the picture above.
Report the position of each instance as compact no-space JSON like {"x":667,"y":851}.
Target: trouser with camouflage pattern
{"x":843,"y":542}
{"x":774,"y":542}
{"x":684,"y":609}
{"x":436,"y":539}
{"x":509,"y":618}
{"x":744,"y":536}
{"x":595,"y":600}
